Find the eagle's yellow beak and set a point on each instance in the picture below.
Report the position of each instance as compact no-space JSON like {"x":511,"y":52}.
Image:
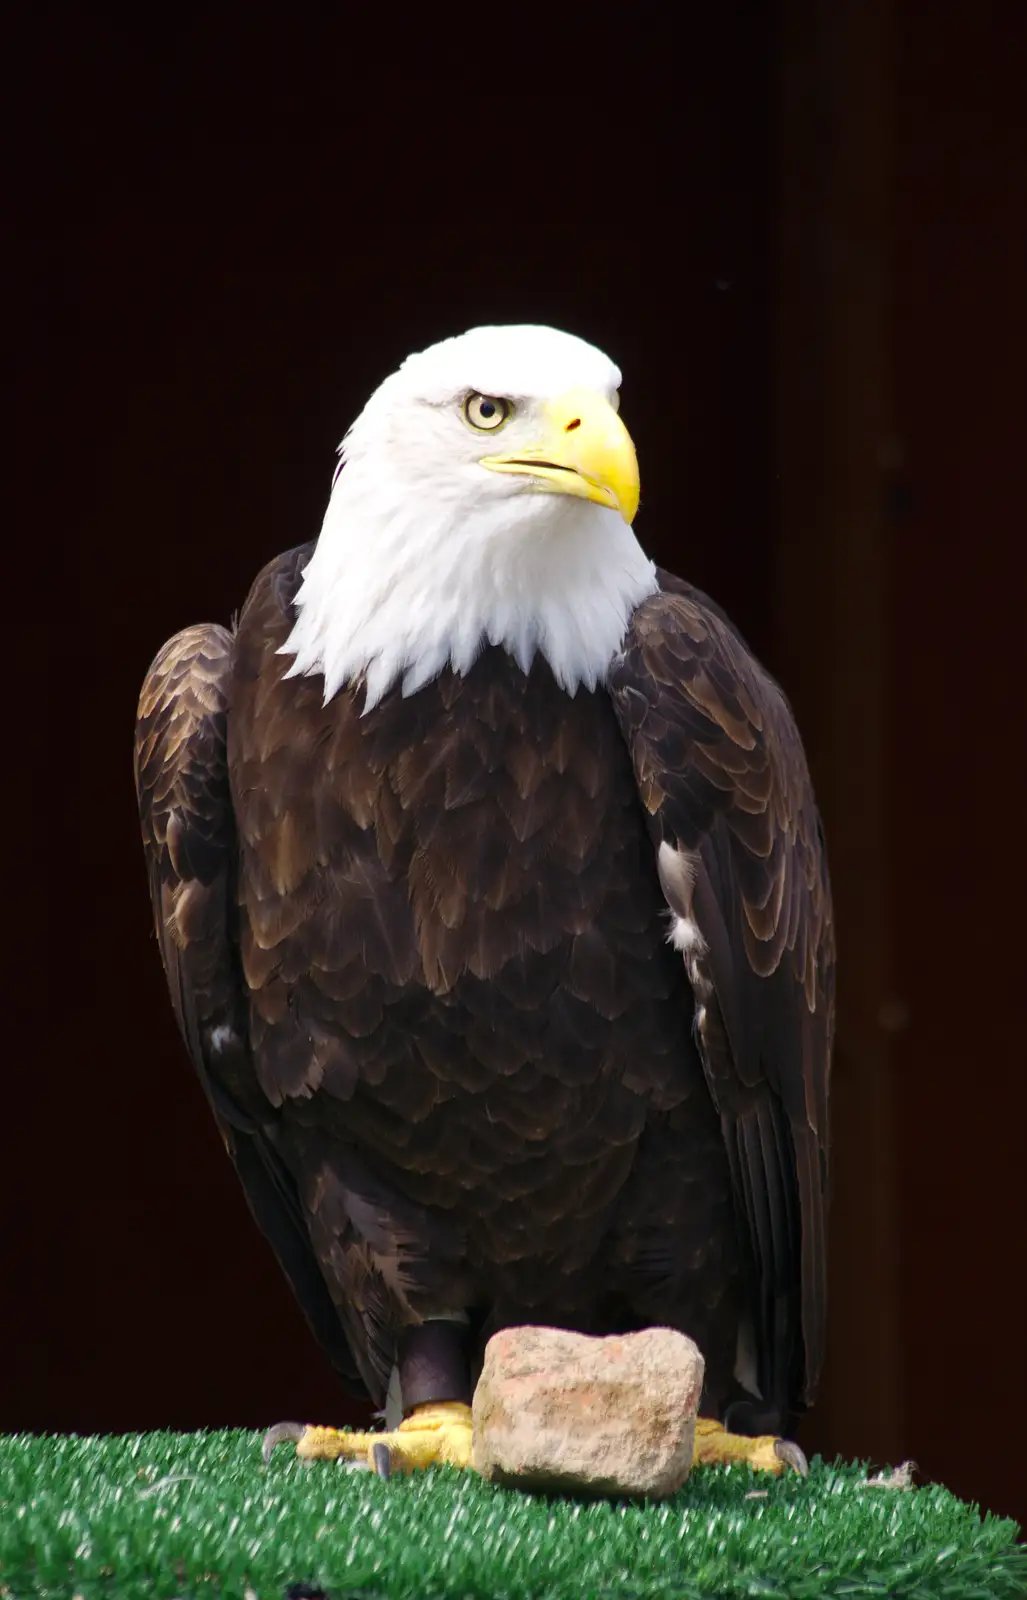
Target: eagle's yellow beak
{"x":585,"y":451}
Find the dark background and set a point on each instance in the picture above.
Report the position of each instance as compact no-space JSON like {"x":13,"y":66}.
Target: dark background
{"x":799,"y":228}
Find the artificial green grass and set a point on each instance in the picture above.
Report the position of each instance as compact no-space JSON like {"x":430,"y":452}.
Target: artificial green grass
{"x":155,"y":1516}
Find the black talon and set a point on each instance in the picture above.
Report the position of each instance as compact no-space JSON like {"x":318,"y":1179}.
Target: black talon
{"x":788,"y":1451}
{"x":382,"y":1460}
{"x":281,"y":1433}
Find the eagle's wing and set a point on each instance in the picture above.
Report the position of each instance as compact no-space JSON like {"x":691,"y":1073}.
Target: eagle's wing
{"x":721,"y":771}
{"x":189,"y":840}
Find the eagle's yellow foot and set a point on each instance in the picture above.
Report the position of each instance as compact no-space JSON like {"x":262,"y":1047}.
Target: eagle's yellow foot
{"x":714,"y":1446}
{"x":432,"y":1435}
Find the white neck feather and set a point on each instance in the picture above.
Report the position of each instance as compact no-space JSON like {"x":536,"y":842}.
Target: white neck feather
{"x":403,"y":584}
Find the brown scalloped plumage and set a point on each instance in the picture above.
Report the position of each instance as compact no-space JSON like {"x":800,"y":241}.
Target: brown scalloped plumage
{"x":420,"y":962}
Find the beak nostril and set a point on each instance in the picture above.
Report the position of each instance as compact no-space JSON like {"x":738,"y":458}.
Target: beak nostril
{"x":572,"y":425}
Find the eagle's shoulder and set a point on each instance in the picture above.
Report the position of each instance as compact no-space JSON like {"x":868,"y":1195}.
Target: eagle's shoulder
{"x":686,"y":685}
{"x":698,"y":599}
{"x":691,"y":623}
{"x":268,"y":608}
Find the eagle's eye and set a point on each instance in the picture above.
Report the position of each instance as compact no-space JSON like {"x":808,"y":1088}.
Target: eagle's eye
{"x":486,"y":411}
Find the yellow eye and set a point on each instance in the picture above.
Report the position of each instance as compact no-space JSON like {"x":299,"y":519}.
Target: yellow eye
{"x":485,"y":411}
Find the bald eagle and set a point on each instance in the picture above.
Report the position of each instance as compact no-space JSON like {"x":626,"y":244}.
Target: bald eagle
{"x":492,"y":898}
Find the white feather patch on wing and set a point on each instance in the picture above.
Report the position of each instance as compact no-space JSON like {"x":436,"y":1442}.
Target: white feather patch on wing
{"x":677,"y":877}
{"x":677,"y":869}
{"x":685,"y":936}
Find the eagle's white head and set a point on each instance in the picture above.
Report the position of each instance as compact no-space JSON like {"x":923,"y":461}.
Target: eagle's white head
{"x":485,"y":494}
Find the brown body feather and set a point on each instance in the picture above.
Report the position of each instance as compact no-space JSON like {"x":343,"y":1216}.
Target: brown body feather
{"x":420,"y":960}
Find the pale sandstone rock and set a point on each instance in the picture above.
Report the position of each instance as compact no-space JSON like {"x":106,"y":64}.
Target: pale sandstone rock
{"x":564,"y":1412}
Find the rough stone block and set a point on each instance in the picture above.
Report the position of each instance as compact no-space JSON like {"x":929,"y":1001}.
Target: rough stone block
{"x":559,"y":1412}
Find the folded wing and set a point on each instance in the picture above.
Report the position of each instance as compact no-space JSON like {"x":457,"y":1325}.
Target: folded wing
{"x":722,"y":774}
{"x":189,"y":841}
